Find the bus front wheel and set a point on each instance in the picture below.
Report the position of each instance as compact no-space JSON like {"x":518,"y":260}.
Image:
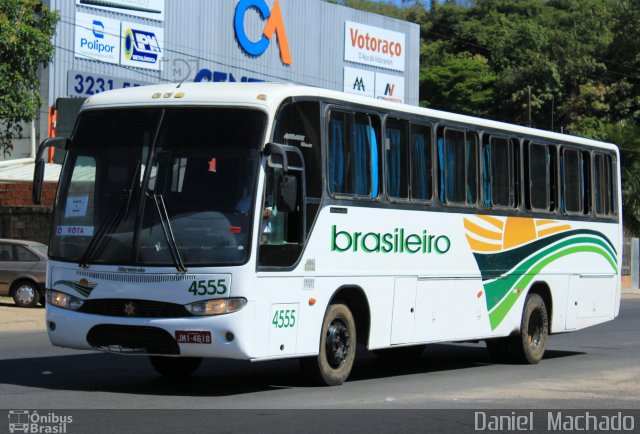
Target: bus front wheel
{"x":337,"y":348}
{"x":175,"y":367}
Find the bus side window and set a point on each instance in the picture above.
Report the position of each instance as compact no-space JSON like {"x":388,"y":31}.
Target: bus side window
{"x":298,"y":124}
{"x":586,"y":183}
{"x":572,"y":180}
{"x":539,"y":177}
{"x":281,"y":231}
{"x":397,"y":158}
{"x":603,"y":184}
{"x":458,"y":157}
{"x":353,"y":154}
{"x":500,"y":179}
{"x":421,"y":163}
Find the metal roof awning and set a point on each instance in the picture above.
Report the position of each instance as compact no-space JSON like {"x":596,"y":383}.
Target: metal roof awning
{"x":22,"y":171}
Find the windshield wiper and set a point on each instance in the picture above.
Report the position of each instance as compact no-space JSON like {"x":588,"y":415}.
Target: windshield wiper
{"x":111,"y":221}
{"x":109,"y":224}
{"x":168,"y":232}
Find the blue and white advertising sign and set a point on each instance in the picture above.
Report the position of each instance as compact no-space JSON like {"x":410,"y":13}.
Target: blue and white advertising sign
{"x":141,"y":46}
{"x":97,"y":38}
{"x":359,"y":81}
{"x":389,"y":87}
{"x":150,"y":9}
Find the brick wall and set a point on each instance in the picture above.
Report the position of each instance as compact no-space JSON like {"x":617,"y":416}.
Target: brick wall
{"x":19,"y":194}
{"x":25,"y":223}
{"x":19,"y":218}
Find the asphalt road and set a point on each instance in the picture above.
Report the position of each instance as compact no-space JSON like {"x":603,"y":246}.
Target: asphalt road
{"x":598,"y":367}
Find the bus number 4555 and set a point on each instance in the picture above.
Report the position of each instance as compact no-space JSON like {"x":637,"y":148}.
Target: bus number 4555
{"x":284,"y":318}
{"x":210,"y":287}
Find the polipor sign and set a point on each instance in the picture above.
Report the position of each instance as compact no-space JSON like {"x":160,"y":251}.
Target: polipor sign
{"x":374,"y":46}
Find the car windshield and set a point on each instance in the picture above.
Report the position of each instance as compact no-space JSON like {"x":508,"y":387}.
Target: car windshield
{"x":142,"y":186}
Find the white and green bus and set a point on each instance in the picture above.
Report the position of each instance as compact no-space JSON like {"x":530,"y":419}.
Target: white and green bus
{"x":265,"y":221}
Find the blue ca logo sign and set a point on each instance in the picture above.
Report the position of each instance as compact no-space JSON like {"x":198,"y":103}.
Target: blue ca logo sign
{"x":274,"y":25}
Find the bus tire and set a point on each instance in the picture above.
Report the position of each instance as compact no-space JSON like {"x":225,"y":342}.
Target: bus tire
{"x":333,"y":364}
{"x":175,"y":367}
{"x":529,"y":346}
{"x":410,"y":352}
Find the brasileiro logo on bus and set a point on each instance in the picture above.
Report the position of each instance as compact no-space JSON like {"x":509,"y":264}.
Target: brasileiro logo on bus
{"x":391,"y":242}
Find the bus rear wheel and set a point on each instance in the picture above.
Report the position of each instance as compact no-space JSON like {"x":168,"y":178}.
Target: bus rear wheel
{"x":175,"y":367}
{"x":337,"y":348}
{"x":529,"y":345}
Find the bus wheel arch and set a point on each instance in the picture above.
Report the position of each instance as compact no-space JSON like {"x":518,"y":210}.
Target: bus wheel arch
{"x":542,"y":289}
{"x":356,"y":300}
{"x":345,"y":324}
{"x":528,"y":344}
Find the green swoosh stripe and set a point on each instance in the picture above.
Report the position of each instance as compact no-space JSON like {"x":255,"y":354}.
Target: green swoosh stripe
{"x":497,"y":288}
{"x":499,"y":312}
{"x":83,"y":290}
{"x":492,"y":265}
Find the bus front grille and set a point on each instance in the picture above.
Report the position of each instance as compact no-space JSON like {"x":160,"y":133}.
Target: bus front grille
{"x":132,"y":339}
{"x":134,"y":308}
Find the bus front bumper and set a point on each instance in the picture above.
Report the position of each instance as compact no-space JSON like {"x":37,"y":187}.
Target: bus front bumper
{"x":224,"y":336}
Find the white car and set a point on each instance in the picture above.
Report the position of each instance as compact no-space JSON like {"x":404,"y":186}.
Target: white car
{"x":23,"y":266}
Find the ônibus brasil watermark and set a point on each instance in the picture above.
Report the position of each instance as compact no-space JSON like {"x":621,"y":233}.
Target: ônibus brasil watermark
{"x":30,"y":421}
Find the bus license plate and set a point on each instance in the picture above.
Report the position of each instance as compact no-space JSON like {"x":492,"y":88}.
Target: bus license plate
{"x":193,"y":337}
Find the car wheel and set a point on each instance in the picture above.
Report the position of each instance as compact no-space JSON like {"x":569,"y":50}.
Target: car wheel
{"x":25,"y":294}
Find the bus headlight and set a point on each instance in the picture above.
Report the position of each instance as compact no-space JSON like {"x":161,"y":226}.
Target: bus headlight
{"x":218,"y":306}
{"x":65,"y":301}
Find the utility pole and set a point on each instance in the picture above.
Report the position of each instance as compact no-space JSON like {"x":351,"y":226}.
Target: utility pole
{"x":553,"y":103}
{"x":529,"y":104}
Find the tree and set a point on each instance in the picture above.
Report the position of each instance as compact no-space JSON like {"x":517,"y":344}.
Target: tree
{"x":26,"y":29}
{"x":464,"y":81}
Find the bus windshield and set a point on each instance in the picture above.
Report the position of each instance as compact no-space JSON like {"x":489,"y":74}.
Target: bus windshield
{"x":166,"y":187}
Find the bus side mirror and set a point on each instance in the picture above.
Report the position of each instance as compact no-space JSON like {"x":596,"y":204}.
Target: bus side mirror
{"x":38,"y":181}
{"x":38,"y":172}
{"x":277,"y":156}
{"x":287,"y":193}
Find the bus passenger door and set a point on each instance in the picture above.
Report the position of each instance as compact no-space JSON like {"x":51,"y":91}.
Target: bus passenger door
{"x":404,"y":299}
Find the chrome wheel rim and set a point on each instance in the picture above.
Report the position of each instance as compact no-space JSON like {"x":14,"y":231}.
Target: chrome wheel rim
{"x":25,"y":294}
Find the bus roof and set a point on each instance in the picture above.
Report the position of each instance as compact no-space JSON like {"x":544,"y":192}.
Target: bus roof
{"x":269,"y":96}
